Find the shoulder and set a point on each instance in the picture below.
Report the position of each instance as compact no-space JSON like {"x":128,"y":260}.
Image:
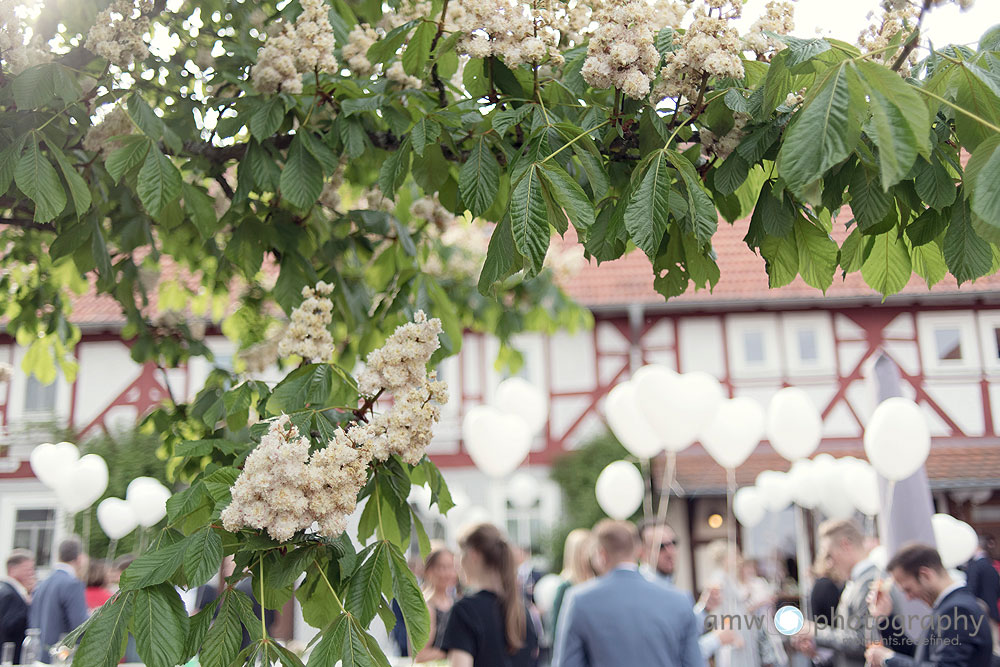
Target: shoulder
{"x":962,"y":600}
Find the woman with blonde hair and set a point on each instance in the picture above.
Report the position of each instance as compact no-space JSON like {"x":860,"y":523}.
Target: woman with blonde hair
{"x":440,"y":581}
{"x":577,"y":568}
{"x":490,"y":627}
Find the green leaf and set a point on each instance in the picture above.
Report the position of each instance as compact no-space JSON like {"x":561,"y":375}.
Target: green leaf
{"x":263,"y":169}
{"x":159,"y":182}
{"x":479,"y":178}
{"x":503,"y":120}
{"x":933,"y":183}
{"x":418,"y":49}
{"x":219,"y":482}
{"x":731,"y":174}
{"x":648,"y":210}
{"x":394,"y":169}
{"x":302,"y":178}
{"x":365,"y":588}
{"x":926,"y":228}
{"x":131,"y":153}
{"x":887,"y":269}
{"x":900,"y":122}
{"x":502,"y":257}
{"x":385,"y":48}
{"x":78,"y":188}
{"x":425,"y":131}
{"x":200,"y":207}
{"x":268,"y":117}
{"x":222,"y":643}
{"x":984,"y":173}
{"x":410,"y":599}
{"x":103,"y":643}
{"x":309,"y":386}
{"x":529,"y":219}
{"x":569,"y":195}
{"x":154,"y":567}
{"x":701,"y":210}
{"x":34,"y":87}
{"x":824,"y":131}
{"x":143,"y":116}
{"x":802,"y":50}
{"x":852,"y":252}
{"x":38,"y":180}
{"x":197,"y":630}
{"x":772,"y":215}
{"x":928,"y":263}
{"x":203,"y":556}
{"x":968,"y":256}
{"x":869,"y":202}
{"x":818,"y":254}
{"x":974,"y":94}
{"x":160,"y":625}
{"x":778,"y":83}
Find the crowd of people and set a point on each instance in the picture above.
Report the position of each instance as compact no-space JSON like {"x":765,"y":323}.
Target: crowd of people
{"x":618,"y":604}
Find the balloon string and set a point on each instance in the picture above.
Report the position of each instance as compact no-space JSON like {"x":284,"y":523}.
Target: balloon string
{"x":730,"y":520}
{"x":887,"y":516}
{"x":647,"y":498}
{"x":110,"y":558}
{"x":86,"y":531}
{"x":661,"y":514}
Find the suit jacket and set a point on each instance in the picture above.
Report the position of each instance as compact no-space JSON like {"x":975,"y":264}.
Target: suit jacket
{"x":848,"y":635}
{"x":624,"y":619}
{"x":966,"y":642}
{"x":984,"y":582}
{"x":13,"y":618}
{"x":58,"y":606}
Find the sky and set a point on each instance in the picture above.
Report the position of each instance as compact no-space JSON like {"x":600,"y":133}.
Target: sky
{"x":845,"y":19}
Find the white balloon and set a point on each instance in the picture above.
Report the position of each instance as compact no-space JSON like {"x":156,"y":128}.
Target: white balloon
{"x":897,"y":438}
{"x":116,"y":517}
{"x":522,"y":490}
{"x":956,"y":540}
{"x":748,"y":506}
{"x":805,"y":489}
{"x":420,"y":496}
{"x":629,"y":424}
{"x":862,"y":486}
{"x":517,"y":396}
{"x":51,"y":463}
{"x":148,"y":499}
{"x":657,"y":392}
{"x":83,"y":483}
{"x":497,"y":442}
{"x":619,"y":489}
{"x":794,"y":426}
{"x":545,"y":592}
{"x":834,"y":500}
{"x":880,"y":556}
{"x":734,"y":432}
{"x":775,"y":489}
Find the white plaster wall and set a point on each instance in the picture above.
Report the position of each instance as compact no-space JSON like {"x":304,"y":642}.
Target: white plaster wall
{"x":573,"y":367}
{"x":106,"y":369}
{"x":701,"y":345}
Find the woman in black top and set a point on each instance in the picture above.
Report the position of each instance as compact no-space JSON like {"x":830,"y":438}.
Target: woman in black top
{"x":440,"y":581}
{"x":489,"y":628}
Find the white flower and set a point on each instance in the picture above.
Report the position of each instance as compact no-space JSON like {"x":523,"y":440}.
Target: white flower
{"x":117,"y":33}
{"x":308,"y":333}
{"x":304,"y":47}
{"x":114,"y":124}
{"x":622,"y":53}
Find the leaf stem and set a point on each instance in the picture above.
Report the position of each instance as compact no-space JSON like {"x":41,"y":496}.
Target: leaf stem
{"x":954,"y":106}
{"x":330,"y":586}
{"x":263,"y":626}
{"x":574,"y":140}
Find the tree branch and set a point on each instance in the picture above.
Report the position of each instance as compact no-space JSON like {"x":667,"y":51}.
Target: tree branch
{"x":911,"y":43}
{"x":28,"y":223}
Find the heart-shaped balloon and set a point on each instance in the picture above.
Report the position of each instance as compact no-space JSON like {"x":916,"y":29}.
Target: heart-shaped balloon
{"x":517,"y":396}
{"x":748,"y":506}
{"x":83,"y":484}
{"x":116,"y":517}
{"x":794,"y":426}
{"x":897,"y":438}
{"x":775,"y":488}
{"x":678,"y":407}
{"x":148,"y":499}
{"x":51,"y":463}
{"x":805,"y":489}
{"x":619,"y":490}
{"x":497,"y":442}
{"x":734,"y":432}
{"x":629,"y":424}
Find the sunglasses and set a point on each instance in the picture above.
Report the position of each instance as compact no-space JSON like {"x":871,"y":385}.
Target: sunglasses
{"x":671,"y":543}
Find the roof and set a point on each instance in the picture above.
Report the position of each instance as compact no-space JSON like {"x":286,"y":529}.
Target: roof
{"x":743,"y":279}
{"x":949,"y":465}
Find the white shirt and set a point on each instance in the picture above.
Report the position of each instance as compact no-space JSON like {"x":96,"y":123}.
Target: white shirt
{"x":16,"y":585}
{"x":631,"y":567}
{"x":860,"y":567}
{"x":946,"y":592}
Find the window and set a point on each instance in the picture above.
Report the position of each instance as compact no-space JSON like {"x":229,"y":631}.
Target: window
{"x":989,"y":330}
{"x":948,"y":342}
{"x":39,"y":398}
{"x":33,"y":530}
{"x":753,"y":347}
{"x":808,"y":349}
{"x":808,"y":345}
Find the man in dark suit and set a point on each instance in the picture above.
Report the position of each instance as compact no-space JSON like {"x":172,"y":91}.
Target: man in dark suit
{"x":622,"y":618}
{"x":59,"y":604}
{"x":15,"y":592}
{"x":957,"y":633}
{"x":982,"y":579}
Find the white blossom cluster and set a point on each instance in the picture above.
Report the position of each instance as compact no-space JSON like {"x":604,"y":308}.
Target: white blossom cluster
{"x":117,"y":34}
{"x":431,"y":210}
{"x":355,"y":52}
{"x":406,"y":430}
{"x":336,"y":474}
{"x":329,"y":197}
{"x":260,"y":356}
{"x":115,"y":123}
{"x":723,"y":146}
{"x":710,"y":47}
{"x":878,"y":35}
{"x":6,"y":372}
{"x":467,"y":243}
{"x":779,"y":18}
{"x":509,"y":29}
{"x":306,"y":46}
{"x":622,"y":52}
{"x":15,"y":55}
{"x":401,"y":363}
{"x":308,"y":333}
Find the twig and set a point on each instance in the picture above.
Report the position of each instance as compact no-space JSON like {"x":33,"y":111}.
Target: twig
{"x":435,"y":77}
{"x":911,"y":43}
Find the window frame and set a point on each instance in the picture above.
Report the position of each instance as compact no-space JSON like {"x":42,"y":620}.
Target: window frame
{"x":928,"y":324}
{"x":737,"y":326}
{"x":821,"y":324}
{"x":989,"y":323}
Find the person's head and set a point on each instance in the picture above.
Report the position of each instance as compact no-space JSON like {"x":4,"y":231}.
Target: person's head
{"x":617,"y":543}
{"x":487,"y":558}
{"x":659,"y":544}
{"x":578,"y":554}
{"x":71,"y":553}
{"x":844,"y":543}
{"x":97,"y":574}
{"x":21,"y":568}
{"x":439,"y":569}
{"x":987,"y":543}
{"x":120,"y":565}
{"x":918,"y":572}
{"x":823,"y":566}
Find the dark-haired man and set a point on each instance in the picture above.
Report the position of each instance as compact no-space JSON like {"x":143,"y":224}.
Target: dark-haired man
{"x":958,"y":633}
{"x":15,"y":592}
{"x":59,"y":605}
